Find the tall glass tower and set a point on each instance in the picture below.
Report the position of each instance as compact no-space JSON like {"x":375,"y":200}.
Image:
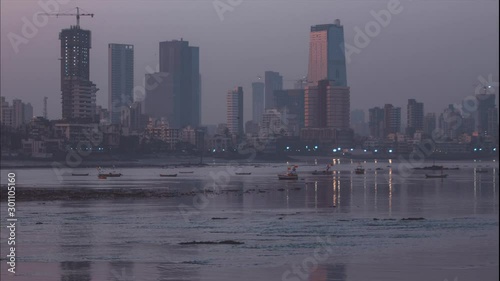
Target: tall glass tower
{"x":120,"y":79}
{"x":326,"y":54}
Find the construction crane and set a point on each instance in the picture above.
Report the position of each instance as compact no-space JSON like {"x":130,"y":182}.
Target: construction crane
{"x":78,"y":15}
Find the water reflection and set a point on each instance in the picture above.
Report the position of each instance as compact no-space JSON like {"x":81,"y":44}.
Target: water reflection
{"x":329,"y":272}
{"x":75,"y":271}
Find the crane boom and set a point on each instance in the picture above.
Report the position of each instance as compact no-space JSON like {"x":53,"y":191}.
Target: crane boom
{"x":77,"y":14}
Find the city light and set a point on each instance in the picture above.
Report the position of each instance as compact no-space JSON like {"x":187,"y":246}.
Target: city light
{"x":376,"y":150}
{"x":390,"y":150}
{"x":334,"y":150}
{"x":315,"y":147}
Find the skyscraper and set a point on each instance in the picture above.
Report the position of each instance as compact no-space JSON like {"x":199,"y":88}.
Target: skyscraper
{"x":159,"y":101}
{"x":415,"y":117}
{"x":326,"y":54}
{"x":182,"y":63}
{"x":235,"y":111}
{"x":78,"y":92}
{"x":273,"y":81}
{"x":327,"y":96}
{"x":257,"y":101}
{"x":120,"y":79}
{"x":376,"y":122}
{"x":430,"y":123}
{"x":327,"y":106}
{"x":485,"y":103}
{"x":392,"y":119}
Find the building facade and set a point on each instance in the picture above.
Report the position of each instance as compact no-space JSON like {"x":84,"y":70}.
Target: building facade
{"x":120,"y":79}
{"x":257,"y":101}
{"x":235,"y":111}
{"x":273,"y":81}
{"x":182,"y":63}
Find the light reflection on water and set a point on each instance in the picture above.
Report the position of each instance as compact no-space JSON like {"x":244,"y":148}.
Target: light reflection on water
{"x":279,"y":222}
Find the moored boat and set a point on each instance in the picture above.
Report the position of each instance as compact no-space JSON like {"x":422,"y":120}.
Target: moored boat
{"x":359,"y":170}
{"x":441,"y":176}
{"x":79,"y":174}
{"x":242,"y":174}
{"x":168,"y":175}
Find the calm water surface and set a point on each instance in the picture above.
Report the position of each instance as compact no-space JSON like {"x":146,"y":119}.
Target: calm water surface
{"x":339,"y":227}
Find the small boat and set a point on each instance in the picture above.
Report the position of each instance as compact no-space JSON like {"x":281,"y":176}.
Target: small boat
{"x":359,"y":170}
{"x":186,"y":172}
{"x":322,"y":172}
{"x":441,"y":176}
{"x":79,"y":175}
{"x":102,"y":177}
{"x":111,"y":175}
{"x":243,"y":174}
{"x":168,"y":175}
{"x":288,"y":176}
{"x":100,"y":172}
{"x":291,"y":173}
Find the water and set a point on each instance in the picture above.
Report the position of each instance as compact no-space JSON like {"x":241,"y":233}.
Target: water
{"x":339,"y":227}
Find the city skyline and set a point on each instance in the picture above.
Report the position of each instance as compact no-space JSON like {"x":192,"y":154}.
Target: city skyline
{"x":366,"y":88}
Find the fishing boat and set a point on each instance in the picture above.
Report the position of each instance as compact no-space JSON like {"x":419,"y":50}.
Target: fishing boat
{"x":79,"y":174}
{"x":359,"y":170}
{"x":242,"y":174}
{"x":291,"y":173}
{"x":168,"y":175}
{"x":107,"y":174}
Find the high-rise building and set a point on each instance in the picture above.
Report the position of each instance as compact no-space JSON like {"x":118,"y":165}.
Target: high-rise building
{"x":338,"y":106}
{"x":315,"y":115}
{"x":415,"y":117}
{"x":392,"y":119}
{"x":17,"y":113}
{"x":291,"y":105}
{"x":376,"y":122}
{"x":358,"y":122}
{"x":326,"y":54}
{"x":78,"y":92}
{"x":235,"y":111}
{"x":257,"y":101}
{"x":28,"y":112}
{"x":182,"y":63}
{"x":160,"y":98}
{"x":485,"y":102}
{"x":450,"y":122}
{"x":429,"y":123}
{"x":273,"y":81}
{"x":327,"y":106}
{"x":120,"y":79}
{"x":6,"y":114}
{"x":493,"y":122}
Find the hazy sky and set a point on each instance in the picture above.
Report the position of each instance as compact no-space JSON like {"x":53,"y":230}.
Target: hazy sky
{"x":433,"y":50}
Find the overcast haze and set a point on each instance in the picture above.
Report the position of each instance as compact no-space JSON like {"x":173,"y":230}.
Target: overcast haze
{"x":433,"y":51}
